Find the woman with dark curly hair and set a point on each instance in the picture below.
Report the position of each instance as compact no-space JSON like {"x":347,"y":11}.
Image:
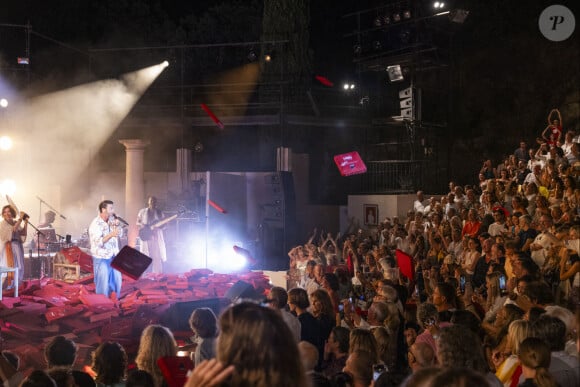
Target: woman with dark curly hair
{"x":109,"y":363}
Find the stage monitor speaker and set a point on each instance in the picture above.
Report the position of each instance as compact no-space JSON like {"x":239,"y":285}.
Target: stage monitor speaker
{"x":242,"y":290}
{"x":177,"y":316}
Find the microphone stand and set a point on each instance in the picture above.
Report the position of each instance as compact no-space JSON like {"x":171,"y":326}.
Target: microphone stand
{"x":38,"y":234}
{"x":49,"y":206}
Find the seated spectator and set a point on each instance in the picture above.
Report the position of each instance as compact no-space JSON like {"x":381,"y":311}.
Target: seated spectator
{"x":468,"y":319}
{"x":156,"y":342}
{"x":386,"y":347}
{"x":323,"y":311}
{"x":445,"y":300}
{"x":38,"y":378}
{"x":309,"y":357}
{"x":533,"y":314}
{"x":335,"y":351}
{"x":260,"y":345}
{"x":534,"y":356}
{"x":564,"y":368}
{"x":331,"y":285}
{"x":203,"y":324}
{"x":472,"y":224}
{"x":62,"y":377}
{"x":458,"y":347}
{"x":61,"y":352}
{"x":10,"y":375}
{"x":420,"y":356}
{"x":509,"y":371}
{"x":109,"y":363}
{"x":363,"y":340}
{"x":496,"y":338}
{"x":428,"y":319}
{"x":359,"y":366}
{"x":278,"y":300}
{"x":139,"y":378}
{"x":309,"y":326}
{"x":571,"y":326}
{"x":410,"y":333}
{"x":495,"y":299}
{"x":463,"y":376}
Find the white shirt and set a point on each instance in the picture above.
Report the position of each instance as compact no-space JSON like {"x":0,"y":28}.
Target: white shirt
{"x":97,"y":231}
{"x":544,"y":239}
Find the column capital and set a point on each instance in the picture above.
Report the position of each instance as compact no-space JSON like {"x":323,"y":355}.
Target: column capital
{"x":135,"y":144}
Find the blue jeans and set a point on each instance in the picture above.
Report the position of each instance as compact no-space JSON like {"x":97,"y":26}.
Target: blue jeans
{"x":107,"y":279}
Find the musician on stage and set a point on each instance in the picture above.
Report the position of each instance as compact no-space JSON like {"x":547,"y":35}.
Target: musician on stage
{"x":152,"y":241}
{"x":49,"y":217}
{"x":12,"y":236}
{"x":104,"y":233}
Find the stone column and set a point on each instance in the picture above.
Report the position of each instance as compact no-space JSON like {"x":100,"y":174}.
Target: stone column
{"x":134,"y":184}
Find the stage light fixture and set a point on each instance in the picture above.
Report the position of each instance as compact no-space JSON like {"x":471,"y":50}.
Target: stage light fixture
{"x":164,"y":64}
{"x":396,"y":17}
{"x":4,"y":103}
{"x":5,"y":143}
{"x":386,"y":20}
{"x":438,"y":5}
{"x":252,"y":56}
{"x":377,"y":45}
{"x":407,"y":14}
{"x":357,"y":48}
{"x":395,"y":73}
{"x":458,"y":15}
{"x":8,"y":187}
{"x":348,"y":86}
{"x":267,"y":57}
{"x":378,"y":22}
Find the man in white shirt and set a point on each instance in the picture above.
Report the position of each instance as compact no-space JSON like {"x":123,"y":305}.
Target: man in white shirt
{"x":541,"y":245}
{"x":104,"y":233}
{"x":420,"y":203}
{"x":498,"y":227}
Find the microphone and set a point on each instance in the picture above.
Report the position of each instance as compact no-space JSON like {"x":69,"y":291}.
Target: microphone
{"x":120,"y":219}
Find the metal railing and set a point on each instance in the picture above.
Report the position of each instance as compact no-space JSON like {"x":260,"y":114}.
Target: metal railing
{"x":391,"y":176}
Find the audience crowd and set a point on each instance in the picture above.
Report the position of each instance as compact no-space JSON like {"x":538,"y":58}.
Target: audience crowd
{"x":479,"y":286}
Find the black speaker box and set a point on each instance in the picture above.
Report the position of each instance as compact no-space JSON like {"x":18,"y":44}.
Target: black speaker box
{"x":242,"y":290}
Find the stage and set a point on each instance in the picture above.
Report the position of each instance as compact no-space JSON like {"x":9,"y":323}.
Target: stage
{"x":48,"y":307}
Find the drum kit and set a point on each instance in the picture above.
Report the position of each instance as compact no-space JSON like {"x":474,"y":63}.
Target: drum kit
{"x":45,"y":249}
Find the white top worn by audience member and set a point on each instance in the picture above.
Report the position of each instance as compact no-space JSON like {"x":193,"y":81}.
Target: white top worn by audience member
{"x":545,"y":240}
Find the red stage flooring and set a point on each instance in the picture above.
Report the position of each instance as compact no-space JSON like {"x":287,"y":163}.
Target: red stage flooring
{"x":47,"y":308}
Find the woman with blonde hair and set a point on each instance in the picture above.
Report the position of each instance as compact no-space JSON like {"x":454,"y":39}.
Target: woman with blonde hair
{"x":535,"y":357}
{"x":259,"y":344}
{"x":363,"y":340}
{"x":156,"y":342}
{"x":510,"y":369}
{"x":386,"y":347}
{"x":495,"y":299}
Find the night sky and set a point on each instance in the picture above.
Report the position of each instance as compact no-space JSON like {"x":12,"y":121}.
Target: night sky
{"x":494,"y":77}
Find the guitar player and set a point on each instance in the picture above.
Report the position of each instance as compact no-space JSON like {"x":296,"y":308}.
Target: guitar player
{"x":152,"y":242}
